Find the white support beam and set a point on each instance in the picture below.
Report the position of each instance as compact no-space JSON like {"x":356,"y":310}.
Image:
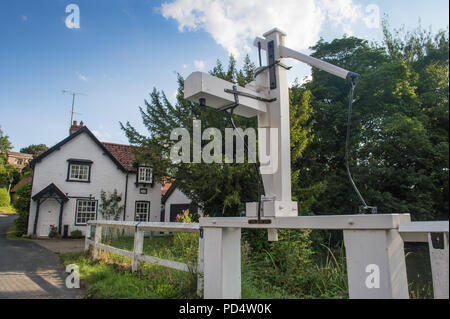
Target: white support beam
{"x":87,"y":238}
{"x":321,"y":65}
{"x":381,"y":221}
{"x":439,"y":264}
{"x":146,"y":226}
{"x":200,"y":265}
{"x":376,"y":265}
{"x":222,"y":268}
{"x":97,"y":239}
{"x":138,"y":247}
{"x":211,"y":88}
{"x":165,"y":263}
{"x":417,"y":232}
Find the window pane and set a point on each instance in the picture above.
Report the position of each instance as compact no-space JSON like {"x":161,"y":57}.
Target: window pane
{"x":86,"y":210}
{"x":142,"y":210}
{"x":79,"y":172}
{"x":145,"y":174}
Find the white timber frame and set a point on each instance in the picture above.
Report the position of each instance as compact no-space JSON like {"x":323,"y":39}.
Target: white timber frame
{"x":137,"y":256}
{"x":369,"y":240}
{"x":436,"y":235}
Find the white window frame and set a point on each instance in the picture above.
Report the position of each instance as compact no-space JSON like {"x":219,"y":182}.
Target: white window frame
{"x":79,"y":166}
{"x":145,"y":175}
{"x":139,"y":212}
{"x":84,"y":206}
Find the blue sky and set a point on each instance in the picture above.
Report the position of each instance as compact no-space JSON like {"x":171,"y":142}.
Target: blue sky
{"x":123,"y":49}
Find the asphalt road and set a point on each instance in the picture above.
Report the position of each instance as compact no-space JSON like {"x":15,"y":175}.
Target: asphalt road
{"x":30,"y":271}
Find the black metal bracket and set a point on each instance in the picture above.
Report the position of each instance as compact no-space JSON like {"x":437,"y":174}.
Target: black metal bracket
{"x":277,"y":62}
{"x":236,"y":92}
{"x":363,"y":209}
{"x":200,"y":232}
{"x":437,"y":240}
{"x":259,"y":221}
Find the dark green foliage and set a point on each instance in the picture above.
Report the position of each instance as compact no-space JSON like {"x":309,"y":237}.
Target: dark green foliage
{"x":399,"y":131}
{"x":219,"y":189}
{"x":34,"y":150}
{"x":76,"y":234}
{"x":9,"y":174}
{"x":4,"y":197}
{"x":109,"y":206}
{"x":22,"y":206}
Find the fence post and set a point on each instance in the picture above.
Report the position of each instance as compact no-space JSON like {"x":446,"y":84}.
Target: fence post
{"x":137,"y":249}
{"x":97,"y":239}
{"x":438,"y":247}
{"x":87,"y":238}
{"x":200,"y":263}
{"x":375,"y":264}
{"x":222,"y":263}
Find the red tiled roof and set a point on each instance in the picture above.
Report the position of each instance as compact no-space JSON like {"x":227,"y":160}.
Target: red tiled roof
{"x":166,"y":185}
{"x":26,"y":179}
{"x":123,"y":154}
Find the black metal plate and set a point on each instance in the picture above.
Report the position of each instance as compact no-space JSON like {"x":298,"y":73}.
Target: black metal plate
{"x":260,"y":221}
{"x":272,"y":74}
{"x":437,"y":240}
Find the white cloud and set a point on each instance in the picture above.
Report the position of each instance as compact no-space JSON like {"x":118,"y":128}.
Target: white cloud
{"x":82,"y":77}
{"x":199,"y":65}
{"x":234,"y":23}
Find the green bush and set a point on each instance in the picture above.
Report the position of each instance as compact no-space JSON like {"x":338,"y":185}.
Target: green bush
{"x":22,"y":206}
{"x":4,"y":197}
{"x":76,"y":234}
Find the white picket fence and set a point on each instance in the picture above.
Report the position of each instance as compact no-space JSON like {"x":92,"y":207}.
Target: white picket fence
{"x":369,"y":240}
{"x":137,"y":255}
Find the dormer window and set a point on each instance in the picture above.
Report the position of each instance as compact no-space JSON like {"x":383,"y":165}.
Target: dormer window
{"x":145,"y":175}
{"x":79,"y":171}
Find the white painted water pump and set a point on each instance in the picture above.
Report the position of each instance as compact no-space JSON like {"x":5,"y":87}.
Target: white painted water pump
{"x":374,"y":244}
{"x":267,"y":98}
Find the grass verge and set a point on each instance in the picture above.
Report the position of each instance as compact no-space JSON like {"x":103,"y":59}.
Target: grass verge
{"x":8,"y":210}
{"x":11,"y":233}
{"x":111,"y":278}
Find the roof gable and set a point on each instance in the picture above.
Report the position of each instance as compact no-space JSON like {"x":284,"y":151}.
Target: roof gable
{"x":122,"y":162}
{"x":51,"y":191}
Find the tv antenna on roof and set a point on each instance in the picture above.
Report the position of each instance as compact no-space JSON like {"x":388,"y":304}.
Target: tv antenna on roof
{"x":73,"y":103}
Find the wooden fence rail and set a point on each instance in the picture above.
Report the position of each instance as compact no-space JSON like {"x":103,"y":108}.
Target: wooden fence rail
{"x":137,"y":255}
{"x":370,"y":241}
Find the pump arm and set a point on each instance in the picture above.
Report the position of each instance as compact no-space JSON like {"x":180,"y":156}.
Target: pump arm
{"x":285,"y":52}
{"x":322,"y":65}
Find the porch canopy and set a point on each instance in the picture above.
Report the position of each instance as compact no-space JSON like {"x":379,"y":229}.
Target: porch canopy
{"x":49,"y":192}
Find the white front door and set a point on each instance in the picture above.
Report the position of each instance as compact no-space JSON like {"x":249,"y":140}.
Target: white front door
{"x":48,"y":215}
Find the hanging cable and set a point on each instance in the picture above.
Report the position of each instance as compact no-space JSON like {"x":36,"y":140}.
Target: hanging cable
{"x":352,"y":80}
{"x":258,"y":171}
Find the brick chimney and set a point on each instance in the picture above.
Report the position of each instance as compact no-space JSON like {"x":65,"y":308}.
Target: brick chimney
{"x":75,"y":127}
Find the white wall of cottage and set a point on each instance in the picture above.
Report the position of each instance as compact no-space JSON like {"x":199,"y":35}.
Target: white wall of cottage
{"x":105,"y":175}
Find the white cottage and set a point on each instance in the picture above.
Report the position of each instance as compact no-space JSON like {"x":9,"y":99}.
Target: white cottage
{"x":68,"y":179}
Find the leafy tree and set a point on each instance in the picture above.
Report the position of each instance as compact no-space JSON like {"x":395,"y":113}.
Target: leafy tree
{"x":220,"y":189}
{"x":5,"y":146}
{"x":22,"y":206}
{"x":34,"y":150}
{"x":399,"y":139}
{"x":9,"y":174}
